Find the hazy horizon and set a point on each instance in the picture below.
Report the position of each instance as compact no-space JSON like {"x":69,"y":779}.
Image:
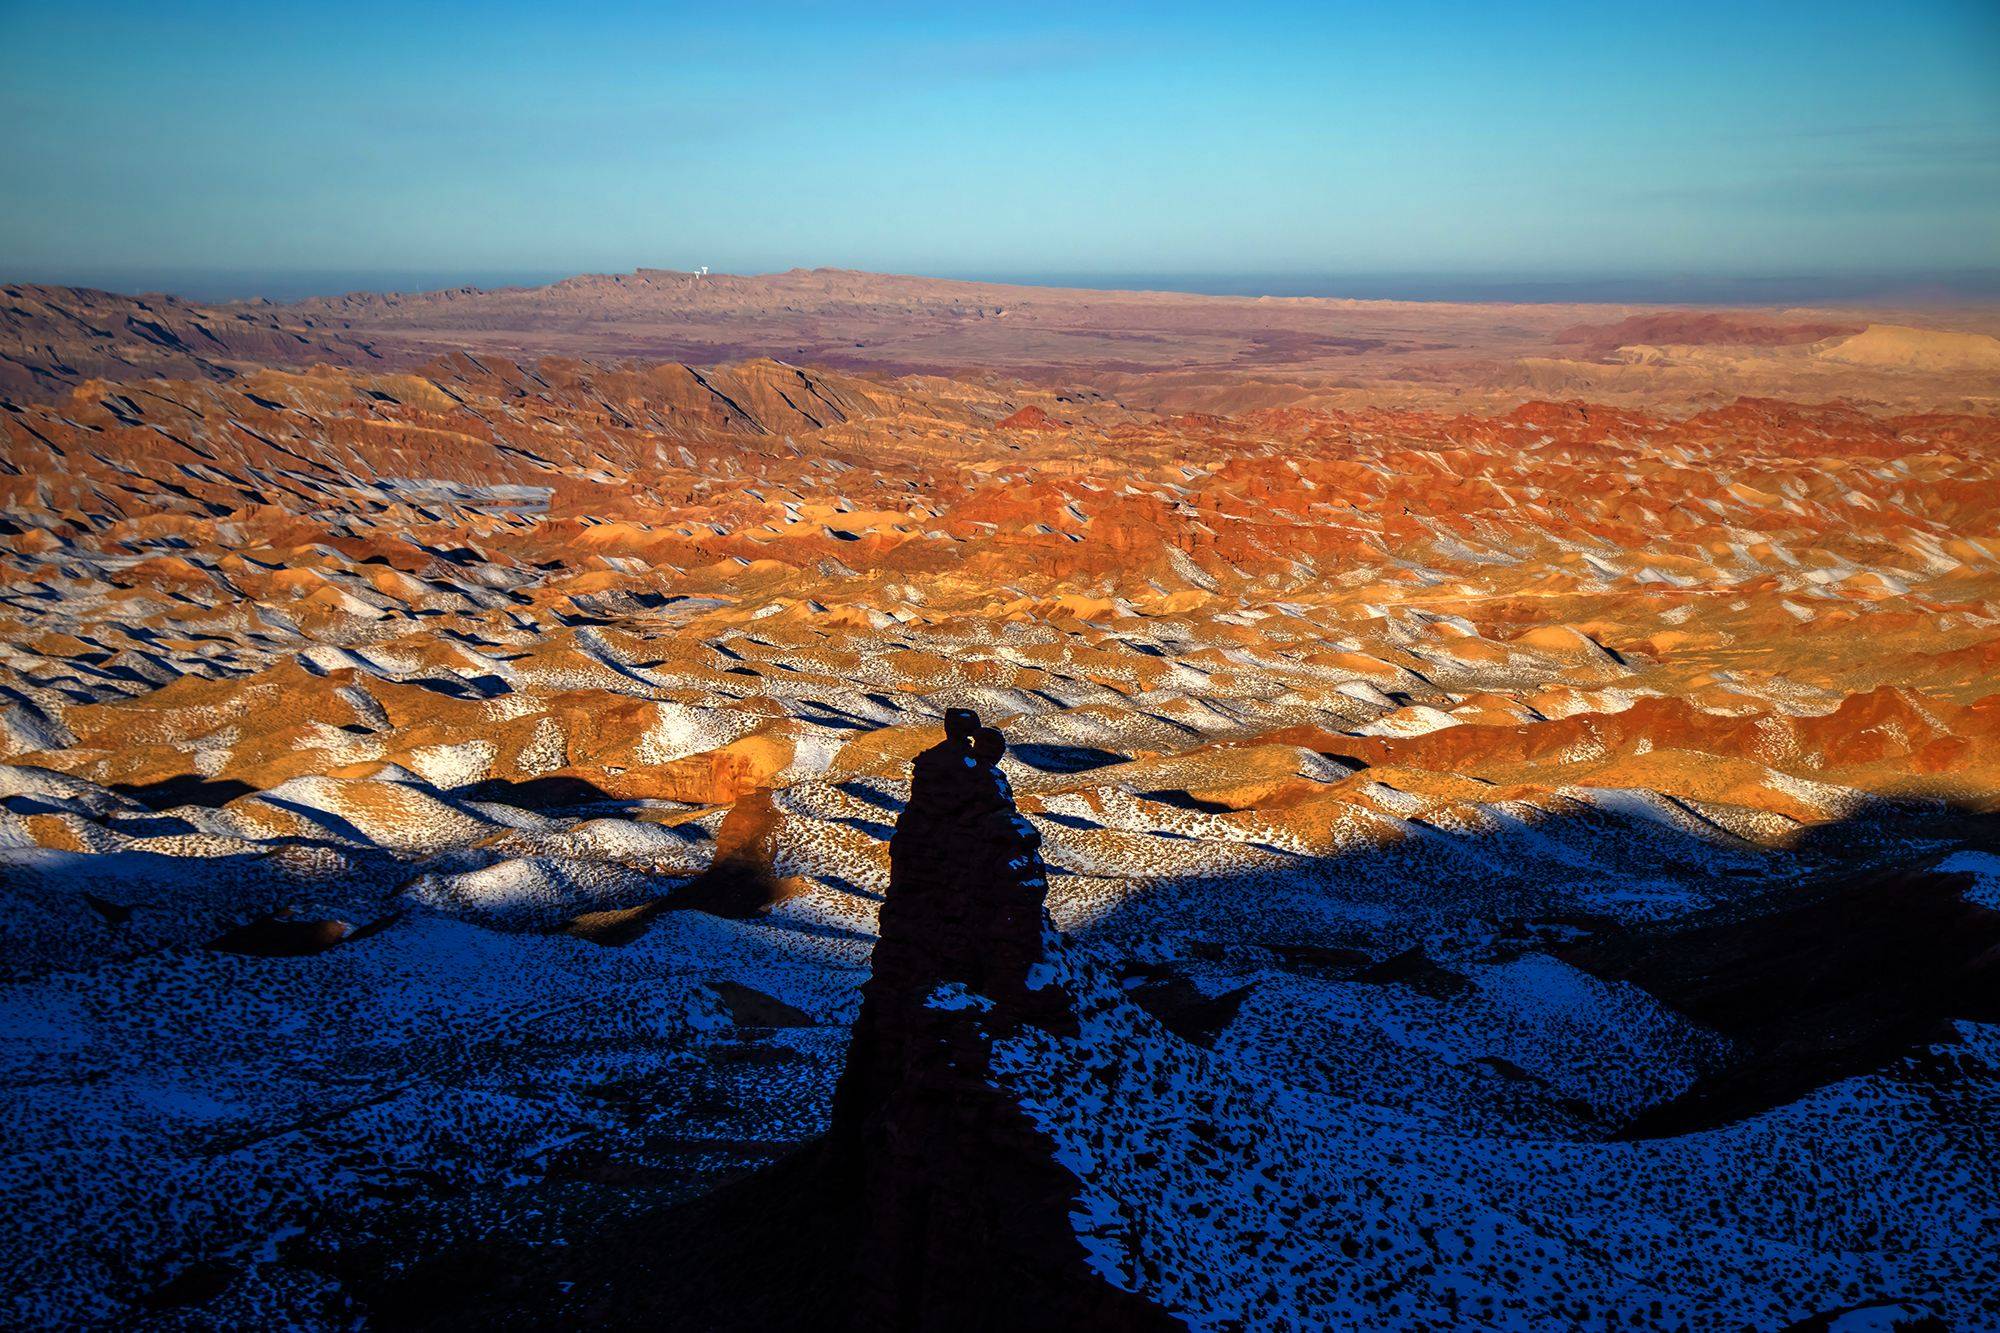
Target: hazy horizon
{"x":1912,"y":287}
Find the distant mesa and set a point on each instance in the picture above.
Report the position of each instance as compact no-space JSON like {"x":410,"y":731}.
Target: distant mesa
{"x":1694,"y":328}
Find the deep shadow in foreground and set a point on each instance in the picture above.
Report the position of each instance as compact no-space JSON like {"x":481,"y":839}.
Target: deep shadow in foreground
{"x":1814,"y":983}
{"x":933,"y":1203}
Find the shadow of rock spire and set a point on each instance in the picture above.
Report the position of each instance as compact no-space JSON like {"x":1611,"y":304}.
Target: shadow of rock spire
{"x":961,"y":1211}
{"x":933,"y":1202}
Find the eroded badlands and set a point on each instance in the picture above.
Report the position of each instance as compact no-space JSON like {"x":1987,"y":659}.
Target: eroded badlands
{"x":1530,"y":866}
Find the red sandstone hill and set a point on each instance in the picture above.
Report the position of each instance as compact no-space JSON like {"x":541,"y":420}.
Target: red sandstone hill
{"x":1030,"y":417}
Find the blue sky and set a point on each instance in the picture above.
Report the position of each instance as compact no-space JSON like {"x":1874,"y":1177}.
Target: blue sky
{"x":1259,"y":138}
